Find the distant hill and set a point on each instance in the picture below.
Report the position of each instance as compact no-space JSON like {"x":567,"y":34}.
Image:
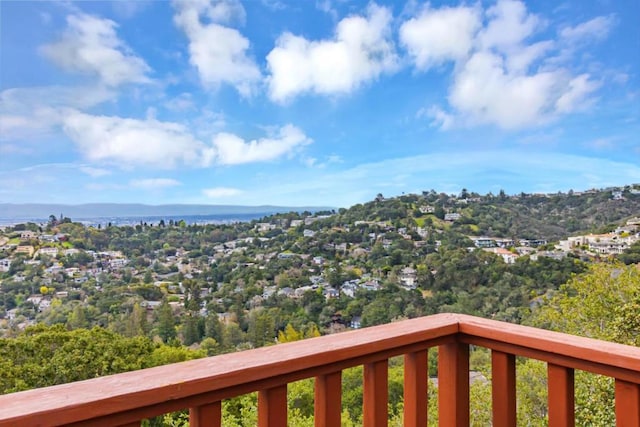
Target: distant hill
{"x":530,"y":216}
{"x":33,"y":211}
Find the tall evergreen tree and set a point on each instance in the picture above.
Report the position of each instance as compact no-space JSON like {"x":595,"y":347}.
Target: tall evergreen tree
{"x":166,"y":322}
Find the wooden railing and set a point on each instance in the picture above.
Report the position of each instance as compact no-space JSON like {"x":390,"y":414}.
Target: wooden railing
{"x":201,"y":385}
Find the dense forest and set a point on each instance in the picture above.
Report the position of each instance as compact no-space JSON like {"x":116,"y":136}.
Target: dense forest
{"x":103,"y":300}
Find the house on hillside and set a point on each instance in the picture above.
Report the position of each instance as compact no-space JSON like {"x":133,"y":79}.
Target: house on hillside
{"x":25,"y":249}
{"x":27,"y":234}
{"x":507,"y":256}
{"x":408,"y":278}
{"x":483,"y":242}
{"x":48,"y":251}
{"x":454,"y":216}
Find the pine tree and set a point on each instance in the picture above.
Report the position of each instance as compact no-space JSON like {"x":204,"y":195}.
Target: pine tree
{"x":166,"y":322}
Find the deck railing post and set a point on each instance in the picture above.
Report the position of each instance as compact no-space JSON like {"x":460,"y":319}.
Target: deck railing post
{"x":416,"y":378}
{"x":453,"y":384}
{"x":503,"y":387}
{"x":561,"y":396}
{"x":328,"y":400}
{"x":272,"y":407}
{"x":627,"y":404}
{"x":375,"y":394}
{"x":206,"y":415}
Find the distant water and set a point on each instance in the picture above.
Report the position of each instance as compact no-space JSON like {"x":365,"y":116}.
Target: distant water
{"x":149,"y":220}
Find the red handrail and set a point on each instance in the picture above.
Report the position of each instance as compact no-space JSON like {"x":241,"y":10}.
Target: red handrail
{"x":125,"y":399}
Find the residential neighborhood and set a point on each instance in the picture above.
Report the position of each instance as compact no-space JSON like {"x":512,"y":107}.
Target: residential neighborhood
{"x":400,"y":243}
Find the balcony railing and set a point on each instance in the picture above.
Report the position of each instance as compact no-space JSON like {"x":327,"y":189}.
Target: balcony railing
{"x":201,"y":385}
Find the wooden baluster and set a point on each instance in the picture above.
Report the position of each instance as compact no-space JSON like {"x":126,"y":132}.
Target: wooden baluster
{"x":206,"y":415}
{"x":503,"y":385}
{"x":272,"y":407}
{"x":561,"y":396}
{"x":627,"y":404}
{"x":416,"y":377}
{"x":375,"y":394}
{"x":453,"y":385}
{"x":328,"y":400}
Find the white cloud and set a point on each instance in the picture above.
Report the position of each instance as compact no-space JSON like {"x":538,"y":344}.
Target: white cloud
{"x":10,"y":122}
{"x":26,"y":99}
{"x":361,"y":50}
{"x":31,"y":113}
{"x":597,"y":28}
{"x":90,"y":45}
{"x":128,"y":9}
{"x":149,"y":142}
{"x":484,"y":92}
{"x":218,"y":52}
{"x":221,"y":192}
{"x":233,"y":150}
{"x":135,"y":142}
{"x":509,"y":25}
{"x":275,"y":5}
{"x":440,"y":118}
{"x":94,"y":172}
{"x":326,"y":7}
{"x":439,"y":35}
{"x":519,"y":60}
{"x":182,"y":102}
{"x":12,"y":148}
{"x":576,"y":94}
{"x":154,"y":183}
{"x":501,"y":78}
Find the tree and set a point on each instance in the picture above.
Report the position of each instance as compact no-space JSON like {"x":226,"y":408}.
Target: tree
{"x":210,"y":346}
{"x":439,"y":212}
{"x":136,"y":324}
{"x":166,"y":322}
{"x":77,"y":318}
{"x":190,"y":332}
{"x":592,"y":303}
{"x":289,"y":334}
{"x":602,"y":303}
{"x":47,"y":355}
{"x":148,"y":277}
{"x":213,"y":327}
{"x":261,"y":327}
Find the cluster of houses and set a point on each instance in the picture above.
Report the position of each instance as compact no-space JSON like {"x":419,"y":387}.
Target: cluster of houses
{"x":48,"y":250}
{"x":508,"y":249}
{"x":613,"y":243}
{"x":608,"y":244}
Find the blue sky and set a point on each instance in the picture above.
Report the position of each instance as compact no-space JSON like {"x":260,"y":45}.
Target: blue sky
{"x":325,"y":102}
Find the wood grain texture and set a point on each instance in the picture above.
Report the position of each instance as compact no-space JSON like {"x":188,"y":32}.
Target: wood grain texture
{"x":328,"y":400}
{"x":124,"y":399}
{"x":206,"y":415}
{"x":375,"y":394}
{"x":272,"y":407}
{"x":627,"y":404}
{"x":453,"y":385}
{"x":561,"y":396}
{"x":503,"y":389}
{"x":416,"y":378}
{"x":155,"y":387}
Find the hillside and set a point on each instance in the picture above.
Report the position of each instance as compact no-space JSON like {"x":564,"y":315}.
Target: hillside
{"x":529,"y":216}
